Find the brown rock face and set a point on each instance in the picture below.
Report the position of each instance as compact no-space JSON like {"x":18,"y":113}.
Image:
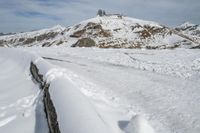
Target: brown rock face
{"x":84,"y":42}
{"x":92,"y":30}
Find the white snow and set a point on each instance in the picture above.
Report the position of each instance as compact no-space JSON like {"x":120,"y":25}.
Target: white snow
{"x":162,"y":85}
{"x":19,"y":96}
{"x":7,"y":120}
{"x":186,"y":24}
{"x":103,"y":90}
{"x":75,"y":113}
{"x":138,"y":124}
{"x":56,"y":28}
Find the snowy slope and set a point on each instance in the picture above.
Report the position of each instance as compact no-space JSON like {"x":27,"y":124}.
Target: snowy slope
{"x":191,"y":30}
{"x":116,"y":32}
{"x":110,"y":31}
{"x":74,"y":111}
{"x":21,"y":107}
{"x":102,"y":90}
{"x":44,"y":37}
{"x":129,"y":97}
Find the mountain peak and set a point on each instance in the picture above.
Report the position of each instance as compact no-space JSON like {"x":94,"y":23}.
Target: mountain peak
{"x":187,"y":24}
{"x":58,"y":27}
{"x":107,"y":31}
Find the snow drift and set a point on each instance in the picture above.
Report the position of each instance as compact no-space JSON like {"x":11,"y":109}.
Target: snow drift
{"x":74,"y":112}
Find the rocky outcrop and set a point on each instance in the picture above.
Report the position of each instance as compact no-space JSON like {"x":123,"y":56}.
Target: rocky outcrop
{"x":91,"y":30}
{"x":84,"y":42}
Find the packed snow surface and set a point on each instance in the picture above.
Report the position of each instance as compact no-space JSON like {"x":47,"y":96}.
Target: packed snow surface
{"x":21,"y":107}
{"x":132,"y":91}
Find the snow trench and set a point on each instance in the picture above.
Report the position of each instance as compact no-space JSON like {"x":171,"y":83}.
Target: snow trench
{"x":67,"y":109}
{"x":48,"y":104}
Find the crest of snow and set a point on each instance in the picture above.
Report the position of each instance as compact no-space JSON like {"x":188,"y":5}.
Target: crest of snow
{"x":109,"y":21}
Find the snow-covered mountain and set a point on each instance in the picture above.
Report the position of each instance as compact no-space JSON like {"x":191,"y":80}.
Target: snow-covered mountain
{"x":4,"y":34}
{"x":190,"y":29}
{"x":108,"y":31}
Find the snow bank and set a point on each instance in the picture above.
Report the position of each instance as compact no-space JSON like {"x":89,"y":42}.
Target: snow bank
{"x":21,"y":108}
{"x":75,"y":113}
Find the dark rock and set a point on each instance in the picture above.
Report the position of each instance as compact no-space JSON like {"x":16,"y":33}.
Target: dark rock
{"x":59,"y":43}
{"x":1,"y":42}
{"x":84,"y":42}
{"x":30,"y":40}
{"x":46,"y":44}
{"x":21,"y":39}
{"x":47,"y":36}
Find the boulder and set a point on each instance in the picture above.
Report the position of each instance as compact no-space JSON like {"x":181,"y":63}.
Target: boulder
{"x":84,"y":42}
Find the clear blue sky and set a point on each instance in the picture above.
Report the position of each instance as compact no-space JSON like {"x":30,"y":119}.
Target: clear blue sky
{"x":27,"y":15}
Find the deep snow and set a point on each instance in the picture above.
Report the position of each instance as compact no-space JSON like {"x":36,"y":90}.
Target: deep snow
{"x":21,"y":107}
{"x":161,"y":85}
{"x":130,"y":90}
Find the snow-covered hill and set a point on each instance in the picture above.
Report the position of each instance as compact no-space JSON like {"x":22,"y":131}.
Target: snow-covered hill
{"x":108,"y":31}
{"x":44,"y":37}
{"x":191,"y":30}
